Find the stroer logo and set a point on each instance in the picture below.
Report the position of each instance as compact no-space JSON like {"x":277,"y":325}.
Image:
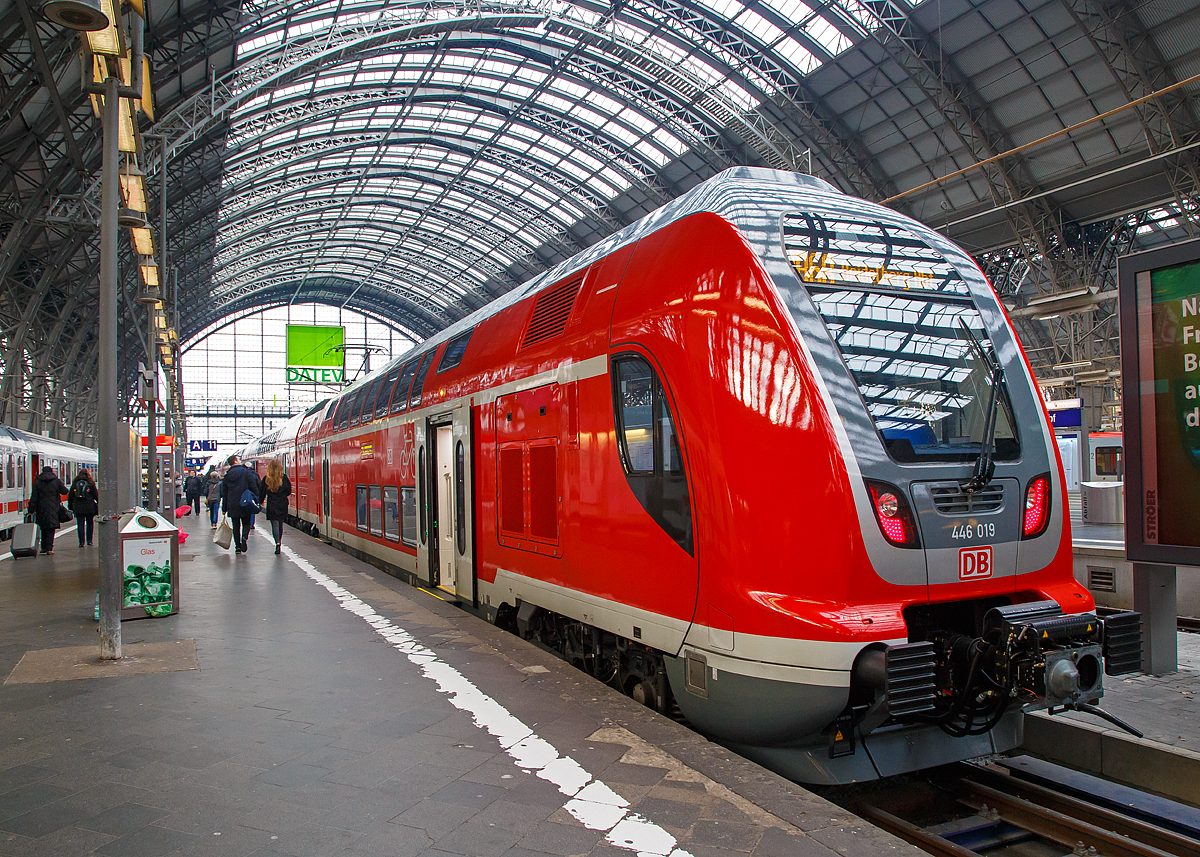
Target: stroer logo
{"x":975,"y":563}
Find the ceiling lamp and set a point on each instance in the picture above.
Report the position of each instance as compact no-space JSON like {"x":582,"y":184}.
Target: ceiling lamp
{"x":76,"y":14}
{"x":143,"y":243}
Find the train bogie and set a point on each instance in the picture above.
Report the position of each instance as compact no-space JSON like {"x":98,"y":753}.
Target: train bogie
{"x":771,"y":456}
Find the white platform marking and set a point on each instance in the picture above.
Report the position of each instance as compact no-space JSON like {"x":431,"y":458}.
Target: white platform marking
{"x":592,"y":803}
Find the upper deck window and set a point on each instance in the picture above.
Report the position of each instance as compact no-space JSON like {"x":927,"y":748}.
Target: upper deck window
{"x":896,"y":308}
{"x":455,"y":349}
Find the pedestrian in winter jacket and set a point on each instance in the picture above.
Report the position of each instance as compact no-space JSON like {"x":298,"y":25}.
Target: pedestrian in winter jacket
{"x":84,"y":500}
{"x":237,"y":480}
{"x":44,"y":502}
{"x":193,"y":487}
{"x":212,"y":490}
{"x":274,"y":493}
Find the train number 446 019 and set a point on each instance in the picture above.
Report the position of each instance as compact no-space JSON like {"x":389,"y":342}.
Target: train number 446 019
{"x":974,"y":531}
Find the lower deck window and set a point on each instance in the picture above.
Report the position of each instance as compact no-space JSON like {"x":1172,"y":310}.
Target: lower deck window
{"x":408,"y":515}
{"x":360,"y":504}
{"x":375,"y":513}
{"x":391,"y":513}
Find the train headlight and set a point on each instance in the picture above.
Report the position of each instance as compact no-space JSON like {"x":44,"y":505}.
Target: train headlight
{"x":1037,"y":506}
{"x":893,"y":515}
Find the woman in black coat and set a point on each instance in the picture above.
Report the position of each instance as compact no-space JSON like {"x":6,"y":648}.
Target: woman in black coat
{"x":84,"y":501}
{"x":274,"y":493}
{"x":44,"y":502}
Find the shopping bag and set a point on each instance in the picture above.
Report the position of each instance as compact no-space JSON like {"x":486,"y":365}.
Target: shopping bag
{"x":180,"y":511}
{"x":224,"y":534}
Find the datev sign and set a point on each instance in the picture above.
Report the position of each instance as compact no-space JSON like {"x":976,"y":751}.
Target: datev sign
{"x":315,"y":354}
{"x":1160,"y":376}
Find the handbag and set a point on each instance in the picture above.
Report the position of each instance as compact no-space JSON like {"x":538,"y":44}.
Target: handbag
{"x":223,"y":537}
{"x":64,"y":514}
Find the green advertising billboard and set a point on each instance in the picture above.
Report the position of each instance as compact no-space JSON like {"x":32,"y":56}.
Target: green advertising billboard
{"x":315,"y":354}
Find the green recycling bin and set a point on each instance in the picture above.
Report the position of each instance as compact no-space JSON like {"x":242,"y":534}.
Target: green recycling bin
{"x":150,"y":558}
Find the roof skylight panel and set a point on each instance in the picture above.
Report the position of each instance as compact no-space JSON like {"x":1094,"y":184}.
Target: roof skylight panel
{"x":754,"y":23}
{"x":827,"y":35}
{"x":795,"y":53}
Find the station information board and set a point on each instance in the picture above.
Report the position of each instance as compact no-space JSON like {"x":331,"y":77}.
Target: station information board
{"x":1160,"y":373}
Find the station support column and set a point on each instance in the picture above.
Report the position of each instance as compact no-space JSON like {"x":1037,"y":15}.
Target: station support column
{"x":111,"y":583}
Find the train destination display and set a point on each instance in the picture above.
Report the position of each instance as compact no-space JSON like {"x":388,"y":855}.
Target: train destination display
{"x":1160,"y":344}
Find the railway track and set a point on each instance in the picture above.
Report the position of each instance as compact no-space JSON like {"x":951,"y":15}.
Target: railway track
{"x":1009,"y":814}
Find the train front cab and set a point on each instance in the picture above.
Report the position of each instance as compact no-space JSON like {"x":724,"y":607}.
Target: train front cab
{"x":847,"y":592}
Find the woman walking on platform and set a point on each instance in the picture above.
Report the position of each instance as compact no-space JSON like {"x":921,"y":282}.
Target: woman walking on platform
{"x":276,"y":488}
{"x":84,"y":501}
{"x":212,"y":490}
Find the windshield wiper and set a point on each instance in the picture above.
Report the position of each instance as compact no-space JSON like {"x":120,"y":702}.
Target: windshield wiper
{"x":985,"y":465}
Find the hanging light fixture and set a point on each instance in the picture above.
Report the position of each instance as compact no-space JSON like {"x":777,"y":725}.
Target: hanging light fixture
{"x":83,"y":15}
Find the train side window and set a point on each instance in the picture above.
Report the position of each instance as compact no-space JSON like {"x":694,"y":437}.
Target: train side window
{"x":360,"y":504}
{"x":414,"y":398}
{"x":455,"y":349}
{"x":10,"y":474}
{"x":20,"y":471}
{"x":312,"y":455}
{"x":385,"y":392}
{"x":408,"y":515}
{"x":375,"y":514}
{"x":391,"y":513}
{"x":1108,"y":461}
{"x":354,"y":409}
{"x":460,"y":498}
{"x":400,"y":392}
{"x":651,"y":448}
{"x":342,"y":417}
{"x":635,"y":400}
{"x":421,"y":492}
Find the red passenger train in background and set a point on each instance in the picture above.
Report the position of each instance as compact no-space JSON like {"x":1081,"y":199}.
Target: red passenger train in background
{"x":772,"y":454}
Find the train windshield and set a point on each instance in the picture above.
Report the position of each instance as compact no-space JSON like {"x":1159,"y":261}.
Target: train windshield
{"x":896,"y":309}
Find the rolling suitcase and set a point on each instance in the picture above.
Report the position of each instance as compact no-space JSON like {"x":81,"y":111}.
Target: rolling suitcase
{"x":26,"y":539}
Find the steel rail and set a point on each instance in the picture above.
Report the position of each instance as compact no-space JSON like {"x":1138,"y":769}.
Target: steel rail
{"x":913,"y":834}
{"x":1101,"y":817}
{"x":1057,"y":826}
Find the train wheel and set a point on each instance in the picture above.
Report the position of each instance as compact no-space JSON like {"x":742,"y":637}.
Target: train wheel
{"x":645,"y":693}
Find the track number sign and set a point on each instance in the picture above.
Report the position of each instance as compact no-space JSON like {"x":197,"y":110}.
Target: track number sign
{"x":975,"y":563}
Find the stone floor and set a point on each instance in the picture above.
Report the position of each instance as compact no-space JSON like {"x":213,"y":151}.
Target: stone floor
{"x":338,"y":711}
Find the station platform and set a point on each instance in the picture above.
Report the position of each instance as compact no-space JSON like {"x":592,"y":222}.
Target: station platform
{"x":309,"y":704}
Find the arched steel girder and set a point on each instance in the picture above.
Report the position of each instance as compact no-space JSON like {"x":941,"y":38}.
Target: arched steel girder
{"x":610,"y":150}
{"x":404,"y":316}
{"x":728,"y":49}
{"x":441,"y":275}
{"x":189,"y":120}
{"x":552,"y":181}
{"x":273,"y":210}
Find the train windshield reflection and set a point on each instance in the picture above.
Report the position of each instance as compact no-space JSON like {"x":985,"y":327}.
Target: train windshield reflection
{"x":895,"y":307}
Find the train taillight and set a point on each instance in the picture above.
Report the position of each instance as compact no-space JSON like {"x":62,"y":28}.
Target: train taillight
{"x":1037,"y":506}
{"x":893,"y":515}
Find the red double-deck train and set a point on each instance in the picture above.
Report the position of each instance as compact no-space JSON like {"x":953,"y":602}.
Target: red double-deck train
{"x":772,"y":453}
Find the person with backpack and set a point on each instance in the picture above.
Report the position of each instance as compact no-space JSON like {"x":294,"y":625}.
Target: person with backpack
{"x":239,"y":490}
{"x":84,"y":500}
{"x":274,"y":493}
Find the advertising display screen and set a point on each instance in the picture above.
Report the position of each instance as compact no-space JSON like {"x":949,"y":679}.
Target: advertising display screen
{"x":1160,"y":368}
{"x":315,"y":354}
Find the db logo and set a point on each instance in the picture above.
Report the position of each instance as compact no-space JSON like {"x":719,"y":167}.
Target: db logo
{"x":975,"y":563}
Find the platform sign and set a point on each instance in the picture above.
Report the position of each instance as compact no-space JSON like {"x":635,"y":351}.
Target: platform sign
{"x":1160,"y":368}
{"x":315,"y":354}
